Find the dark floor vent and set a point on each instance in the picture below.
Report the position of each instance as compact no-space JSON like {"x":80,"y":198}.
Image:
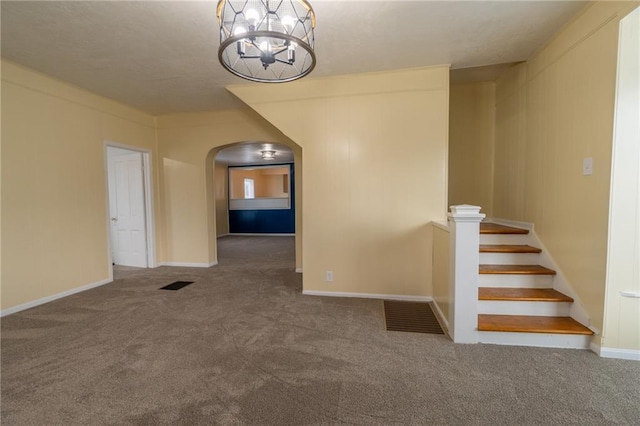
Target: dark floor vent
{"x":414,"y":317}
{"x":176,"y":285}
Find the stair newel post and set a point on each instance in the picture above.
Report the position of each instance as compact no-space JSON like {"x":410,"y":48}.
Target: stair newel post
{"x":464,"y":225}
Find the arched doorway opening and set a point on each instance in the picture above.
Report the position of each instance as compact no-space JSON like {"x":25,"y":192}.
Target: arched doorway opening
{"x":249,"y":154}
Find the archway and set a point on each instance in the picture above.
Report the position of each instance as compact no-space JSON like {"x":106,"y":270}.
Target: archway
{"x":212,"y":181}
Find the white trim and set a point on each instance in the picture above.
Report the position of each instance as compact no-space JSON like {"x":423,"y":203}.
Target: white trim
{"x":261,"y":235}
{"x":559,"y":281}
{"x":524,"y":307}
{"x":368,"y":295}
{"x":299,"y":270}
{"x":441,"y":224}
{"x":189,"y":264}
{"x":275,"y":203}
{"x":148,"y":200}
{"x":542,"y":340}
{"x":514,"y":223}
{"x":223,"y":235}
{"x":630,"y":354}
{"x":53,"y":297}
{"x":441,"y":318}
{"x":464,"y":240}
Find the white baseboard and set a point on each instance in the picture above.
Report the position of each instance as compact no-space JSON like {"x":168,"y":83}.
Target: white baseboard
{"x":261,"y":235}
{"x":299,"y":270}
{"x":441,"y":317}
{"x":543,"y":340}
{"x":189,"y":265}
{"x":514,"y":223}
{"x":369,"y":295}
{"x":630,"y":354}
{"x":53,"y":297}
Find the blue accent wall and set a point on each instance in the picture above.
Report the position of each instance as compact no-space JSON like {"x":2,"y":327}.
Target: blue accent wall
{"x":266,"y":221}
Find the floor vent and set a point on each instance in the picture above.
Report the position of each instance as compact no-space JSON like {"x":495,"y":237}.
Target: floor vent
{"x":413,"y":317}
{"x":176,"y":285}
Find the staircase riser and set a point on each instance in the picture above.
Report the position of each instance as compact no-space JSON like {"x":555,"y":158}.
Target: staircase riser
{"x":504,"y":307}
{"x":511,"y":239}
{"x":569,"y":341}
{"x":509,"y":258}
{"x":515,"y":281}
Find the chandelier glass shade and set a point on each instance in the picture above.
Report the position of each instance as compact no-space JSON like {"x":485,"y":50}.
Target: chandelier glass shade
{"x":268,"y":41}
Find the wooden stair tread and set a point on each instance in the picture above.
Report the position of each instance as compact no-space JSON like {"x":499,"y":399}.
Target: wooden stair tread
{"x":516,"y":269}
{"x":531,"y":324}
{"x":522,"y":294}
{"x":494,"y":228}
{"x":505,"y":248}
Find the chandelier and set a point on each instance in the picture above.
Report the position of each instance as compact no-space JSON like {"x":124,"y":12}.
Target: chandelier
{"x":268,"y":41}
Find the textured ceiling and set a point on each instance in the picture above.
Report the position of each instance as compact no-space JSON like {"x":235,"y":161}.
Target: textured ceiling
{"x":161,"y":56}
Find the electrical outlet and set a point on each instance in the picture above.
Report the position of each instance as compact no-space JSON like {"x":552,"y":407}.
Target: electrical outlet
{"x":587,"y":166}
{"x":329,"y":276}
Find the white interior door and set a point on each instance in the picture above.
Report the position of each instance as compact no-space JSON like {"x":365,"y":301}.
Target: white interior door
{"x":126,"y":208}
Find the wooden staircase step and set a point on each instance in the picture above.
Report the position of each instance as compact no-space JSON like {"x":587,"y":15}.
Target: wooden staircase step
{"x":522,"y":294}
{"x":495,"y":228}
{"x":504,"y":248}
{"x":531,"y":324}
{"x":516,"y":269}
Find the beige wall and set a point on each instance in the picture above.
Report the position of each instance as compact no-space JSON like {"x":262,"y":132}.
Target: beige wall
{"x":221,"y":186}
{"x":237,"y":182}
{"x":550,"y":114}
{"x":54,"y":201}
{"x":471,"y":142}
{"x":375,"y":171}
{"x":187,"y":144}
{"x":267,"y":182}
{"x":441,"y":287}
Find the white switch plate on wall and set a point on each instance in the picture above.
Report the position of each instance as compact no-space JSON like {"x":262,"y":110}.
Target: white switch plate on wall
{"x":587,"y":166}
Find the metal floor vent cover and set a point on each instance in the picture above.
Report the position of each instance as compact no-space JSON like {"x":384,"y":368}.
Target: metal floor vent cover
{"x":413,"y":317}
{"x":176,"y":285}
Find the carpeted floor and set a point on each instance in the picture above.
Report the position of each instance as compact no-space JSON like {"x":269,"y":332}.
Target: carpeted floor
{"x":242,"y":345}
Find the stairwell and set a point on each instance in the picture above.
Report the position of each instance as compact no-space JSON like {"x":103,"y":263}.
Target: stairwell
{"x":517,"y":304}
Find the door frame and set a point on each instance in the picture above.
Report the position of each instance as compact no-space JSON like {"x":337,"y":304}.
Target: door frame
{"x":148,"y":202}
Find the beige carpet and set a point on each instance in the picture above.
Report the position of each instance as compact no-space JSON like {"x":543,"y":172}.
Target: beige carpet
{"x":242,"y":345}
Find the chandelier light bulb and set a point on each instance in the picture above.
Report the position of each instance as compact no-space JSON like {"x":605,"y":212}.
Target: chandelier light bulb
{"x":288,"y":23}
{"x":252,"y":16}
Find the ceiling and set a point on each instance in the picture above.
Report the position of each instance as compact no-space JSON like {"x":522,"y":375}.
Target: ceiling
{"x":161,"y":56}
{"x":249,"y":153}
